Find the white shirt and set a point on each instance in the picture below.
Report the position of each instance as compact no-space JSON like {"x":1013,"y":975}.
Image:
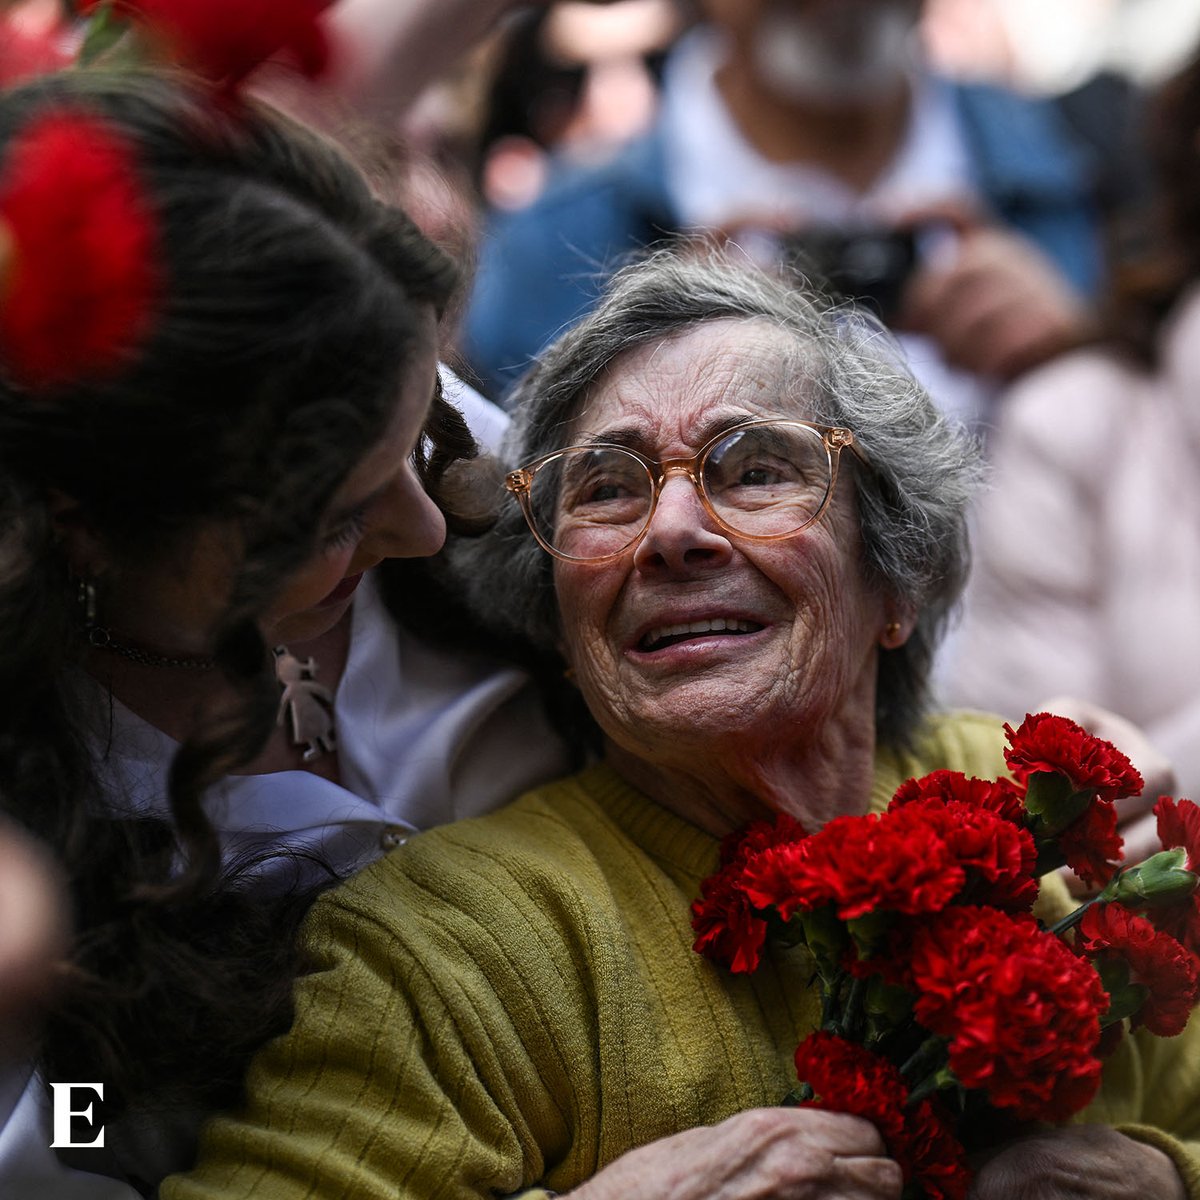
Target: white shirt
{"x":424,"y":736}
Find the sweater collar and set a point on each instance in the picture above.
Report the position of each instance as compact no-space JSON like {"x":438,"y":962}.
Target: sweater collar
{"x":671,"y":841}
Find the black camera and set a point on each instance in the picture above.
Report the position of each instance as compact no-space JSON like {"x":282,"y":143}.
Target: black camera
{"x":869,"y":265}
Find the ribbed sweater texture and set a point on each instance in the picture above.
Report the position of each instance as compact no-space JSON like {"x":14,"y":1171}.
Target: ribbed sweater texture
{"x":506,"y":1004}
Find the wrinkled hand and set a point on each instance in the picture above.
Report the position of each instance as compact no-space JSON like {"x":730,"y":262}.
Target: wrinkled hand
{"x":762,"y":1154}
{"x":1082,"y":1162}
{"x":1137,"y":824}
{"x":994,"y":304}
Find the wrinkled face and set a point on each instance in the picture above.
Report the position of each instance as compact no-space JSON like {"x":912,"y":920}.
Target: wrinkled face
{"x":792,"y":625}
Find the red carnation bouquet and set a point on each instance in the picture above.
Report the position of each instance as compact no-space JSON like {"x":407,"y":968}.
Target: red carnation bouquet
{"x":948,"y":1008}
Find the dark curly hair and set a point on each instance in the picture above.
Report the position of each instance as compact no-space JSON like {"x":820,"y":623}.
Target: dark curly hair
{"x":291,"y":302}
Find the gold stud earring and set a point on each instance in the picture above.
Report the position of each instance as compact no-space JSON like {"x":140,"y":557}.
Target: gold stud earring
{"x":891,"y":635}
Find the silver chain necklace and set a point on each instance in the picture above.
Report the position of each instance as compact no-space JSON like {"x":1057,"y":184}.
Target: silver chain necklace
{"x":305,"y":706}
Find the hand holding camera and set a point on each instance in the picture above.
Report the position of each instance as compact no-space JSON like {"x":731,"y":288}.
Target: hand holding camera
{"x":986,"y":295}
{"x":995,"y":305}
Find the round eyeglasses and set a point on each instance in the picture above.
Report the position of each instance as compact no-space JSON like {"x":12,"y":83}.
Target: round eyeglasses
{"x":760,"y":480}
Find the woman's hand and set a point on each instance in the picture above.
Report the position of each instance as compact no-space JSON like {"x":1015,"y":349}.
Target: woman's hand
{"x":993,"y":302}
{"x":1082,"y":1162}
{"x":762,"y":1154}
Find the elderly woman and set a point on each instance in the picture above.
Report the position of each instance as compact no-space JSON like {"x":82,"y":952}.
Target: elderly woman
{"x":749,"y":529}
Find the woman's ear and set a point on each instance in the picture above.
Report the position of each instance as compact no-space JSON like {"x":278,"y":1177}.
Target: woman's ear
{"x":84,"y":551}
{"x":901,"y":621}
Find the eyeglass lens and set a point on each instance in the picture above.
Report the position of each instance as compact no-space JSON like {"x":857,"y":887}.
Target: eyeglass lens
{"x":762,"y":480}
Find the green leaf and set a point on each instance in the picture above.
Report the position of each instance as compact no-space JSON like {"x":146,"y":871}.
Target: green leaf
{"x":888,"y":1004}
{"x":826,"y":937}
{"x":869,"y":930}
{"x":1050,"y":797}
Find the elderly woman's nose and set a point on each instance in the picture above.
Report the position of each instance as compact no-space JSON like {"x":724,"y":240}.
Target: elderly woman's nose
{"x":681,"y":536}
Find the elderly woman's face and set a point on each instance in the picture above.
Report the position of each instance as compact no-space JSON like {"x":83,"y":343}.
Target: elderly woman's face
{"x":792,"y":651}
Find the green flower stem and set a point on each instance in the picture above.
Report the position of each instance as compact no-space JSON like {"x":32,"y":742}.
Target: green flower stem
{"x":802,"y":1093}
{"x":832,"y":1021}
{"x":852,"y":1017}
{"x":933,"y":1082}
{"x":1073,"y":918}
{"x":927,"y":1054}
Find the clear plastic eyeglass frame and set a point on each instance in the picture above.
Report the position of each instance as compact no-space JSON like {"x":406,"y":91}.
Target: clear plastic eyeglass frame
{"x":835,"y":439}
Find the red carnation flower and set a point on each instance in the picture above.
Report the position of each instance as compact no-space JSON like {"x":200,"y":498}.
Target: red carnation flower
{"x":743,"y":843}
{"x":849,"y":1078}
{"x":1056,"y":745}
{"x":1020,"y":1010}
{"x":1092,"y":846}
{"x":1179,"y":825}
{"x":932,"y":1154}
{"x":83,"y":277}
{"x":1000,"y":796}
{"x":999,"y":858}
{"x":1155,"y":960}
{"x":859,"y":865}
{"x":224,"y":40}
{"x":728,"y":930}
{"x":1180,"y":920}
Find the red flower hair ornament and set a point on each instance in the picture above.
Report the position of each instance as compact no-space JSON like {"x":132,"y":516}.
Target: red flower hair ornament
{"x":224,"y":40}
{"x":78,"y":275}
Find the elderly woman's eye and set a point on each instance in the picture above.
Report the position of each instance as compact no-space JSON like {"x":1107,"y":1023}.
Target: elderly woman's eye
{"x":764,"y":475}
{"x":602,"y":486}
{"x":605,"y":489}
{"x":757,"y":472}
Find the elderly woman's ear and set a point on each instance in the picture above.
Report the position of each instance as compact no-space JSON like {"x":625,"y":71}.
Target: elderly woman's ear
{"x":898,"y":627}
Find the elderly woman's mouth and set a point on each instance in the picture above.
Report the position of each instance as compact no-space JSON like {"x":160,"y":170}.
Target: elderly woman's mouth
{"x":663,"y":636}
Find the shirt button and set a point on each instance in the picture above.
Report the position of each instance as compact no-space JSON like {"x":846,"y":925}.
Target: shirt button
{"x":393,"y":836}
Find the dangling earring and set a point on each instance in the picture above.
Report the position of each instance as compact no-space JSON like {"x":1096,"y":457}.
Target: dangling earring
{"x":85,"y":603}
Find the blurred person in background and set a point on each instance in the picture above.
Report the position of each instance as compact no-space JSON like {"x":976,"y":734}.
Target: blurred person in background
{"x":781,"y":118}
{"x":573,"y":80}
{"x":1087,"y":575}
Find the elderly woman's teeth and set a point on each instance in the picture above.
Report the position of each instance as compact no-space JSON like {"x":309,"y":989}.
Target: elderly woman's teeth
{"x":667,"y":635}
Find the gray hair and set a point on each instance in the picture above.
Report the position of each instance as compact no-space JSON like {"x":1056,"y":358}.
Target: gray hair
{"x":912,"y":503}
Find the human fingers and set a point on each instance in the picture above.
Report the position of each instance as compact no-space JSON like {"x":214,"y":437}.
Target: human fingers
{"x":761,"y":1154}
{"x":953,"y":213}
{"x":997,"y":307}
{"x":1086,"y":1162}
{"x":32,"y":923}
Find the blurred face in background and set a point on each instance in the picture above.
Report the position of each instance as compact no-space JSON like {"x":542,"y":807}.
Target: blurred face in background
{"x":590,"y":84}
{"x":823,"y":51}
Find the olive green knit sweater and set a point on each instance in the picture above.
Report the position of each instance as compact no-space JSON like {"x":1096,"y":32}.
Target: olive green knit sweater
{"x":509,"y":1003}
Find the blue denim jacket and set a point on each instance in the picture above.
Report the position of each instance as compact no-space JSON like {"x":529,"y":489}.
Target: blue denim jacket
{"x":541,"y":268}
